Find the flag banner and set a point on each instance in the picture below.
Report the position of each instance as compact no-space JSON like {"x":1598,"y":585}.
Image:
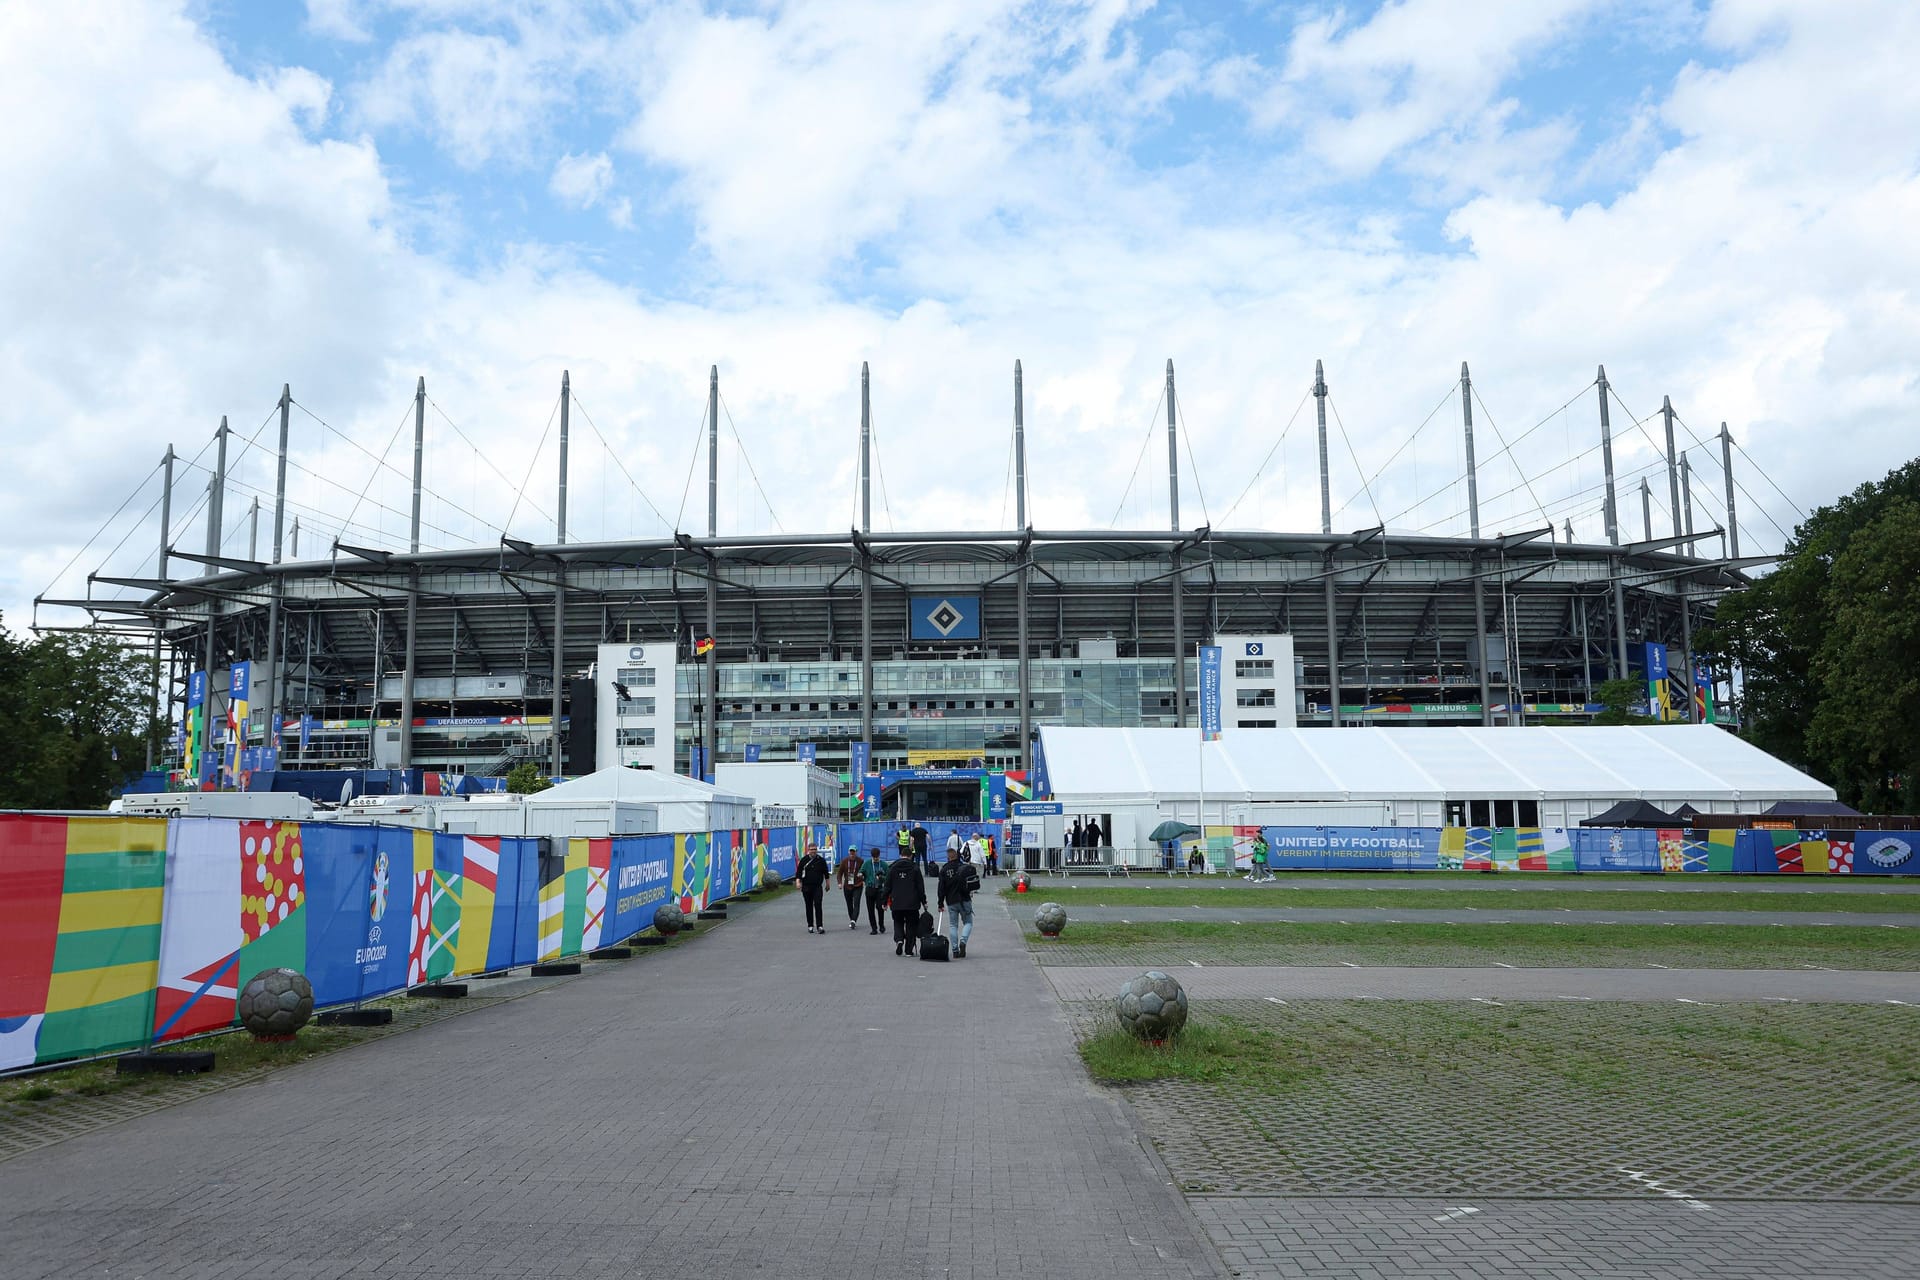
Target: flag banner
{"x":691,"y":871}
{"x":1210,"y":692}
{"x":702,"y":646}
{"x":753,"y":753}
{"x":806,"y":752}
{"x":80,"y":914}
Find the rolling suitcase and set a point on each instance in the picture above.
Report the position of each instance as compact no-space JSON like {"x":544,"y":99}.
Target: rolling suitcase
{"x":933,"y":944}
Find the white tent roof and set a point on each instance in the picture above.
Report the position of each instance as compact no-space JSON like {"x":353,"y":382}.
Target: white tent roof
{"x":1589,"y":762}
{"x":641,"y":786}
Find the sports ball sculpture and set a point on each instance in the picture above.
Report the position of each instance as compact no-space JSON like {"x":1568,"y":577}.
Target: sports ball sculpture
{"x":770,"y":879}
{"x":1021,"y":883}
{"x":1050,"y":919}
{"x":1152,"y":1007}
{"x":275,"y":1003}
{"x":668,"y":920}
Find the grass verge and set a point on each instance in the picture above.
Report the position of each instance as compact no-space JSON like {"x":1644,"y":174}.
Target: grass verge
{"x":1110,"y":894}
{"x":1467,"y":945}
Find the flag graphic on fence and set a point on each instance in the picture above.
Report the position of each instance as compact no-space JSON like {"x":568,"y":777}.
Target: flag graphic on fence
{"x":479,"y":885}
{"x":435,"y":927}
{"x":690,"y":866}
{"x":200,"y":941}
{"x":80,"y":904}
{"x":273,"y":899}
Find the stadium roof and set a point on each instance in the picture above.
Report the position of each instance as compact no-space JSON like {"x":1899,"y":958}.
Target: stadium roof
{"x":1667,"y":763}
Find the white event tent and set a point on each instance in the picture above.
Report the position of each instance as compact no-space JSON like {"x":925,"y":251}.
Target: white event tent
{"x":682,"y":804}
{"x":1411,"y":776}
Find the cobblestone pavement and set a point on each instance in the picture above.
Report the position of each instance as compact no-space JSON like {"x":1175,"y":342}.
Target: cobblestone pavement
{"x":1304,"y":982}
{"x":768,"y":1100}
{"x":1360,"y":913}
{"x":1475,"y":1238}
{"x":1420,"y":1099}
{"x":25,"y":1126}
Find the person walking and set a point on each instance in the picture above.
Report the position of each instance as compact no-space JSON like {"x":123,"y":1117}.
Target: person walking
{"x":851,"y":876}
{"x":875,"y":871}
{"x":903,"y":842}
{"x":993,"y":855}
{"x":812,"y":875}
{"x":955,"y":843}
{"x":958,"y":879}
{"x":906,"y":898}
{"x":919,"y":837}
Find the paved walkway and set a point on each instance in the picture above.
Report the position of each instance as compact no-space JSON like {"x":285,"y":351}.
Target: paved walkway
{"x":1478,"y":1239}
{"x":765,"y":1101}
{"x":1258,"y":982}
{"x":1492,"y":913}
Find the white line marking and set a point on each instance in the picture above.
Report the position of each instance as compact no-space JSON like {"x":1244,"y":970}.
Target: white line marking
{"x":1350,"y":964}
{"x":1196,"y":964}
{"x":1703,"y":1003}
{"x":1652,"y":965}
{"x":1902,"y":1003}
{"x":1782,"y":999}
{"x":1822,"y":968}
{"x":1647,"y":1182}
{"x":1275,"y":1000}
{"x":1483,"y":1000}
{"x":1452,"y":1215}
{"x":1583,"y":998}
{"x":1501,"y":964}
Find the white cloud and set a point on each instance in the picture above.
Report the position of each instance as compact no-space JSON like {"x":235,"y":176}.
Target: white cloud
{"x":192,"y":242}
{"x":581,"y":181}
{"x":481,"y":96}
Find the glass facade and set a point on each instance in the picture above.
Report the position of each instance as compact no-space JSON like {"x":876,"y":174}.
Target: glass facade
{"x":958,"y":712}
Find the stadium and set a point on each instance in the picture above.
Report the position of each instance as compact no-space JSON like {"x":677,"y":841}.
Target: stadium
{"x":929,"y":657}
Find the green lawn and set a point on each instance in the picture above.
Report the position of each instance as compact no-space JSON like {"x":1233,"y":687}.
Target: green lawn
{"x":1121,"y":894}
{"x":1607,"y":946}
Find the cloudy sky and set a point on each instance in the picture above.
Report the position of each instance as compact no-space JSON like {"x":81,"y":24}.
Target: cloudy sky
{"x":205,"y":200}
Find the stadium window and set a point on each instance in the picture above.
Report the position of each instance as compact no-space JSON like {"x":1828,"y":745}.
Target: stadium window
{"x":1529,"y":814}
{"x":635,"y":737}
{"x":638,"y":706}
{"x":1479,"y":813}
{"x":642,"y":676}
{"x":1503,"y":813}
{"x":1253,"y":669}
{"x":1254,"y":698}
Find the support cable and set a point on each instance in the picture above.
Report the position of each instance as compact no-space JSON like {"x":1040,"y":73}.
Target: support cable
{"x":1257,"y":472}
{"x":1517,"y":440}
{"x":103,"y":528}
{"x":1507,"y":449}
{"x":1193,"y":464}
{"x":407,"y":476}
{"x":522,"y":493}
{"x":748,"y":459}
{"x":1153,"y":425}
{"x":880,"y":470}
{"x":1364,"y":487}
{"x":379,"y":462}
{"x":616,"y":461}
{"x":484,"y":457}
{"x":1405,"y":445}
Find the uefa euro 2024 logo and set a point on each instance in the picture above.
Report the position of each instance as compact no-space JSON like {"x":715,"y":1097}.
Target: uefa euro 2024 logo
{"x":377,"y":895}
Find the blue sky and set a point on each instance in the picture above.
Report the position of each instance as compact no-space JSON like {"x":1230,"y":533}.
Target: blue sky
{"x":1714,"y":198}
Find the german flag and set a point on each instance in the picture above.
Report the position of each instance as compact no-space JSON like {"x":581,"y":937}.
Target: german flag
{"x":703,"y":646}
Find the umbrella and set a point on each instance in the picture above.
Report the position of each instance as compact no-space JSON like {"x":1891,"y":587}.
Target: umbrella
{"x":1171,"y":830}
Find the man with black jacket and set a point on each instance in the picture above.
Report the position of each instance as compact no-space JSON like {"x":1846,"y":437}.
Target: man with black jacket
{"x":812,"y":875}
{"x":958,"y":879}
{"x":907,"y":896}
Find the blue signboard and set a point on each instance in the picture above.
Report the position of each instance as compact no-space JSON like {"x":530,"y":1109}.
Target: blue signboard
{"x":1352,"y":848}
{"x":860,"y":753}
{"x":1038,"y":809}
{"x":1656,"y":661}
{"x":870,"y":794}
{"x":1210,"y":692}
{"x":808,"y":752}
{"x":945,"y":618}
{"x":753,"y":753}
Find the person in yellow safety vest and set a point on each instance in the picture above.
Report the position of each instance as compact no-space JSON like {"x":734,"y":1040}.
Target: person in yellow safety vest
{"x":904,"y":841}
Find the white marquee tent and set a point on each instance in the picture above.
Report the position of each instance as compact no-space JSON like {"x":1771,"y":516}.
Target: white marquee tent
{"x":1408,"y":776}
{"x":683,"y":804}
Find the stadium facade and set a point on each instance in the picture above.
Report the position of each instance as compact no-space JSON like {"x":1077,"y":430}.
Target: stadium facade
{"x":903,"y":652}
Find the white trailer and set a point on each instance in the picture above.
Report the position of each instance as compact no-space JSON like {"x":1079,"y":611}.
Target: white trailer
{"x":256,"y":806}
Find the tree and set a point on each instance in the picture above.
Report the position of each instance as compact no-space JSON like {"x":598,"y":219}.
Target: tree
{"x":1618,"y":697}
{"x":1866,"y":726}
{"x":1824,"y":626}
{"x":525,"y":778}
{"x":76,"y":719}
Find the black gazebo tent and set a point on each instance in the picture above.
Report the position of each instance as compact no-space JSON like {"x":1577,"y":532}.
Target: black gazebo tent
{"x":1631,"y":813}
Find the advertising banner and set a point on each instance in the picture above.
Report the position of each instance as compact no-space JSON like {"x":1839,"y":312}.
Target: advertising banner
{"x":642,"y":880}
{"x":1609,"y":849}
{"x":753,"y":753}
{"x":196,"y":722}
{"x":783,"y":851}
{"x":806,"y":752}
{"x":860,"y":752}
{"x":871,"y":791}
{"x":1210,"y":692}
{"x":1348,"y":848}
